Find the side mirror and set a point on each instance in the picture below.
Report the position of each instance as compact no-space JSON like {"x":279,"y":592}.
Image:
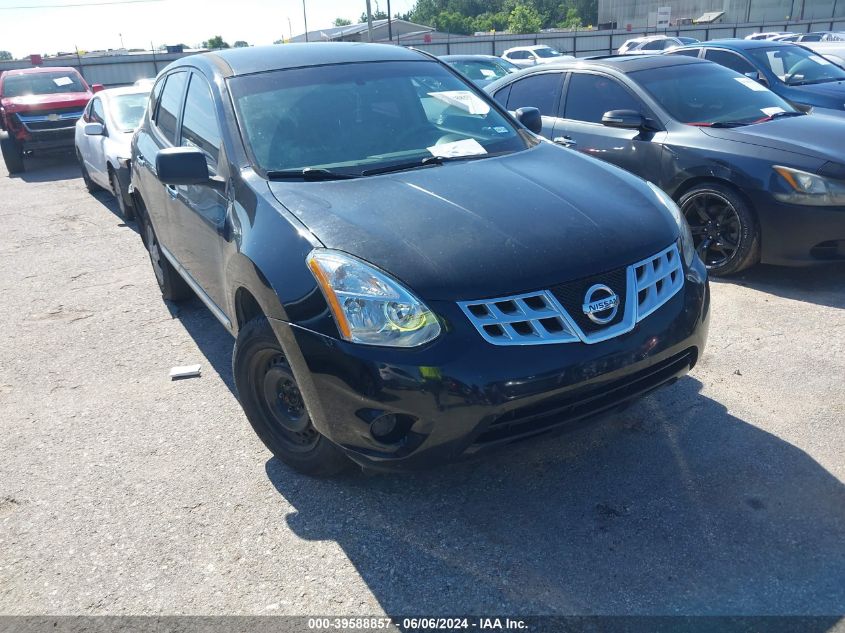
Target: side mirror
{"x":625,"y":119}
{"x":530,"y":118}
{"x":95,"y":88}
{"x":182,"y":166}
{"x":94,"y":129}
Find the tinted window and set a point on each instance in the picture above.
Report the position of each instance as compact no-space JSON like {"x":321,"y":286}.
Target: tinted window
{"x":590,"y":96}
{"x":688,"y":52}
{"x":199,"y":125}
{"x":729,"y":60}
{"x":480,"y":70}
{"x":547,"y":52}
{"x":656,"y":45}
{"x":537,"y":91}
{"x":811,"y":38}
{"x":97,"y":113}
{"x":351,"y":119}
{"x":519,"y":55}
{"x":706,"y":94}
{"x":168,"y":109}
{"x":797,"y":66}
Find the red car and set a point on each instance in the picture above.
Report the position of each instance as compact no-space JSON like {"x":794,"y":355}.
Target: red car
{"x":39,"y":108}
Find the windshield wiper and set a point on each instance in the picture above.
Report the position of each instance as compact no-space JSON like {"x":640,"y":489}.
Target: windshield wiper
{"x":428,"y":161}
{"x":826,"y":80}
{"x":309,"y":173}
{"x":728,"y":124}
{"x":781,"y":115}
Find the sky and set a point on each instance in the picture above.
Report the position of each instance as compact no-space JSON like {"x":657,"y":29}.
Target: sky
{"x":49,"y":27}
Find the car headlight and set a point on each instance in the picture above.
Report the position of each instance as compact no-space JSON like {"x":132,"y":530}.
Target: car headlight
{"x":686,"y":242}
{"x":369,"y":306}
{"x":807,"y":188}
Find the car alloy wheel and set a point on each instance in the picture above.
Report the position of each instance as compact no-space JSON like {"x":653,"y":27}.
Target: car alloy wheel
{"x":117,"y":191}
{"x":715,"y":225}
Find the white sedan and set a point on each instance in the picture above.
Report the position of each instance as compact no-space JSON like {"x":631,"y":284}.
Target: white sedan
{"x":103,"y":140}
{"x":525,"y":56}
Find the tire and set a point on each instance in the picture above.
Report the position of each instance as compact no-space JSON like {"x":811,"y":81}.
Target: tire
{"x":724,"y":228}
{"x":126,"y":211}
{"x":12,"y":155}
{"x":90,"y":185}
{"x":172,"y":286}
{"x":270,"y":397}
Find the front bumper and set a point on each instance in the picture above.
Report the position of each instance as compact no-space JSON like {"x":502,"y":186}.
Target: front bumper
{"x":796,"y":235}
{"x":47,"y":140}
{"x":464,"y":395}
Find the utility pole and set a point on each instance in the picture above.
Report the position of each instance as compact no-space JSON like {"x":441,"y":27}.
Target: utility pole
{"x":369,"y":21}
{"x":121,"y":40}
{"x":390,"y":29}
{"x":305,"y":19}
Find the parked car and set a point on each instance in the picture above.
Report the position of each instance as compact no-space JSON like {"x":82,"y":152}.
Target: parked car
{"x":756,"y":179}
{"x":830,"y":50}
{"x":768,"y":35}
{"x":815,"y":36}
{"x":145,"y":82}
{"x":480,"y":69}
{"x":799,"y":75}
{"x":525,"y":56}
{"x":410,"y":273}
{"x":39,"y":108}
{"x":103,"y":141}
{"x":652,"y":44}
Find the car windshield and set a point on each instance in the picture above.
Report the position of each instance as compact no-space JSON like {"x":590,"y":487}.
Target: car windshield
{"x":709,"y":94}
{"x":547,"y":52}
{"x":356,"y":118}
{"x":480,"y":70}
{"x":687,"y":40}
{"x":128,"y":110}
{"x":42,"y":83}
{"x":797,"y":66}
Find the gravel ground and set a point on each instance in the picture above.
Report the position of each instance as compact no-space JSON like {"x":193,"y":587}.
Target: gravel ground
{"x":122,"y":492}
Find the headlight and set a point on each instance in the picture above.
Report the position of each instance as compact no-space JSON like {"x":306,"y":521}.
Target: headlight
{"x":807,"y":188}
{"x":369,"y":306}
{"x":687,"y":245}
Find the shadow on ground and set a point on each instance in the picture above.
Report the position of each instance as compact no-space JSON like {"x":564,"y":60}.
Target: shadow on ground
{"x":822,"y":285}
{"x":674,"y":507}
{"x":50,"y":167}
{"x":213,"y":340}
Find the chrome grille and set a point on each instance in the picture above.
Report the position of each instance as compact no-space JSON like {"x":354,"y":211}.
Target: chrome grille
{"x":658,"y":279}
{"x":536,"y":318}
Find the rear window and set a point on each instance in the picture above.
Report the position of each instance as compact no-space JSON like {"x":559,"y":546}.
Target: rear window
{"x":43,"y":83}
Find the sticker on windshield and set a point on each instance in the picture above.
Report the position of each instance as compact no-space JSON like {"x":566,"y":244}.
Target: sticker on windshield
{"x":750,"y":83}
{"x":772,"y":111}
{"x":820,"y":60}
{"x":463,"y":99}
{"x":466,"y":147}
{"x":63,"y":81}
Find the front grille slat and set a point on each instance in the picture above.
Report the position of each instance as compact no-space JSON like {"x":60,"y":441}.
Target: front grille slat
{"x":557,"y":315}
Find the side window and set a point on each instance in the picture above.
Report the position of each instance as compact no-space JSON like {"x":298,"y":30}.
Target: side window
{"x":154,"y":96}
{"x":97,"y":113}
{"x":590,"y":96}
{"x":519,"y":55}
{"x":502,"y":95}
{"x":688,"y":52}
{"x":537,"y":91}
{"x":729,"y":60}
{"x":811,"y":38}
{"x":199,"y":123}
{"x":86,"y":115}
{"x":655,"y":45}
{"x":168,"y":108}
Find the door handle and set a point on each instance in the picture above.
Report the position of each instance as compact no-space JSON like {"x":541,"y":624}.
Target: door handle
{"x":565,"y":141}
{"x":172,"y":191}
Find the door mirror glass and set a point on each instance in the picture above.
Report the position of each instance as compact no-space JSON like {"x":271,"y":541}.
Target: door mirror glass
{"x":182,"y":166}
{"x":626,"y":119}
{"x":94,"y":129}
{"x":530,"y":118}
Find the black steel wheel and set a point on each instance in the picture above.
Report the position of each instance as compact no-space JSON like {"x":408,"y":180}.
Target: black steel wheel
{"x":12,"y":154}
{"x":270,"y":396}
{"x":723,"y":227}
{"x":170,"y":282}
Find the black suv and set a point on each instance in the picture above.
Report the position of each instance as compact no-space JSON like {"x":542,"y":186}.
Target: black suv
{"x":407,"y":273}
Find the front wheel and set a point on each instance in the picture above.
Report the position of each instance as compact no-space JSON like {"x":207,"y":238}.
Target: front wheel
{"x":724,"y":229}
{"x":12,"y":154}
{"x":117,"y":190}
{"x":273,"y":403}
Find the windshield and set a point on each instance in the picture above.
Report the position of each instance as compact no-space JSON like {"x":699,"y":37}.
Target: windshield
{"x":43,"y":83}
{"x":128,"y":110}
{"x":797,"y":66}
{"x":708,"y":94}
{"x":547,"y":52}
{"x":352,"y":118}
{"x":480,"y":70}
{"x":687,"y":40}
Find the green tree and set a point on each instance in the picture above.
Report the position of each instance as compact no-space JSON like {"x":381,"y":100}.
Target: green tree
{"x":215,"y":42}
{"x":571,"y":20}
{"x":343,"y":21}
{"x":377,"y":15}
{"x":524,"y":19}
{"x":5,"y":56}
{"x":241,"y":44}
{"x":490,"y":22}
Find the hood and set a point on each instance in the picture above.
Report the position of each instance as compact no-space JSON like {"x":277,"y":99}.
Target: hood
{"x":818,"y":136}
{"x":829,"y":95}
{"x":489,"y":227}
{"x":45,"y":102}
